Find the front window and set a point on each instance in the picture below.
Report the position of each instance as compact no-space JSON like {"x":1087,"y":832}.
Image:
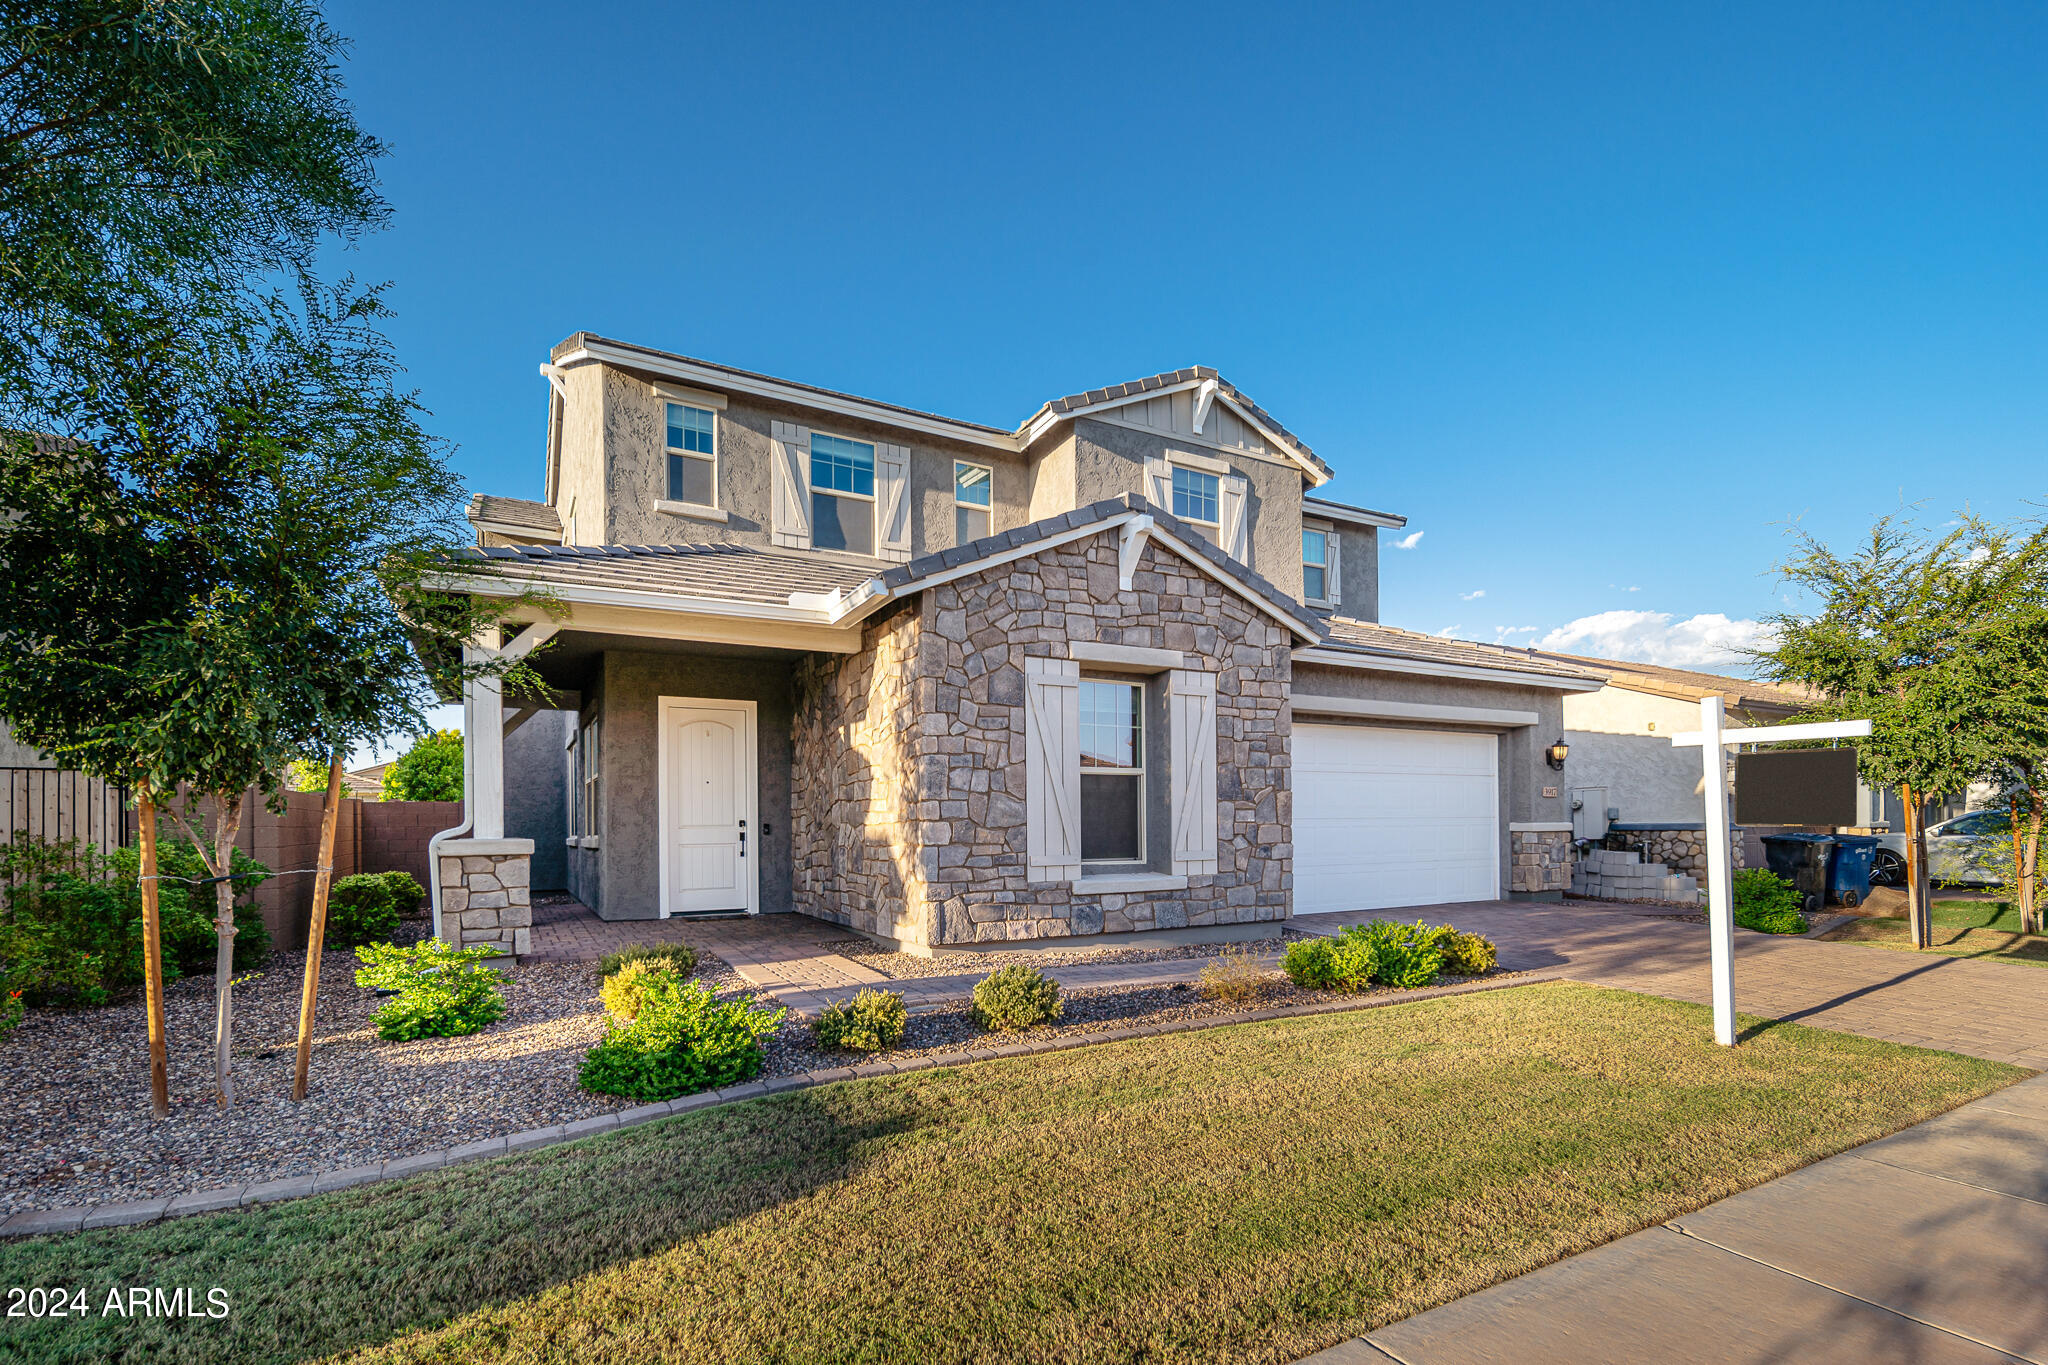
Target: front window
{"x":1112,"y":772}
{"x":1196,"y":496}
{"x":588,"y":770}
{"x":1315,"y":565}
{"x":842,"y":494}
{"x":973,"y":513}
{"x":692,"y":455}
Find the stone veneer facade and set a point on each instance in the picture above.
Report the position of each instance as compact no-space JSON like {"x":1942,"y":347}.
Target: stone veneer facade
{"x":1541,"y":859}
{"x":486,"y":896}
{"x":909,"y":813}
{"x":1682,"y":848}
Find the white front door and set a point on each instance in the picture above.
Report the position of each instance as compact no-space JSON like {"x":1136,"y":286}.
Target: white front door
{"x":1385,"y":818}
{"x":710,"y":839}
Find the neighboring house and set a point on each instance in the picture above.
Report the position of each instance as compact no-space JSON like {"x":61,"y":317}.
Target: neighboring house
{"x":1112,"y":670}
{"x":365,"y":783}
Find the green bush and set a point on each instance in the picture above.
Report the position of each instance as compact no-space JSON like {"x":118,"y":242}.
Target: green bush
{"x":870,"y":1022}
{"x":443,"y":992}
{"x":1015,"y":997}
{"x":1468,"y":954}
{"x":361,"y":909}
{"x":625,"y":991}
{"x":1767,"y":903}
{"x":683,"y":1040}
{"x":1344,"y":963}
{"x":71,"y":919}
{"x":679,"y":955}
{"x":1409,"y":955}
{"x":406,"y":893}
{"x":431,"y":770}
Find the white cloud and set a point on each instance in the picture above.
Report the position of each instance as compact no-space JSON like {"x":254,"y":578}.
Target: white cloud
{"x":1502,"y":632}
{"x":1472,"y":596}
{"x":1409,"y":541}
{"x":1709,"y":640}
{"x":1449,"y":633}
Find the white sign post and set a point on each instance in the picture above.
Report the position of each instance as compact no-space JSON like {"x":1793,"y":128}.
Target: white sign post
{"x":1712,"y":738}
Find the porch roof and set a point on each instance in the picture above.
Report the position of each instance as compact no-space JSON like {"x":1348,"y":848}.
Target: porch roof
{"x":739,"y":574}
{"x":1346,"y":640}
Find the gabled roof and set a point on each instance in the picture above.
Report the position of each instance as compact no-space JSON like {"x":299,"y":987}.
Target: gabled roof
{"x":1684,"y":684}
{"x":827,"y":590}
{"x":487,"y":511}
{"x":581,"y":346}
{"x":1364,"y":643}
{"x":1344,"y":511}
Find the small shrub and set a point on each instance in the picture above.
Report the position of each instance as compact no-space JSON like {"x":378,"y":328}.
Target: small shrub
{"x":683,"y":1040}
{"x":1406,"y":955}
{"x":406,"y":893}
{"x":679,"y":955}
{"x":1346,"y":962}
{"x":1235,"y":976}
{"x":1468,"y":954}
{"x":360,"y":910}
{"x":870,"y":1022}
{"x":625,"y":991}
{"x":1767,"y":903}
{"x":1015,"y":997}
{"x":443,"y":992}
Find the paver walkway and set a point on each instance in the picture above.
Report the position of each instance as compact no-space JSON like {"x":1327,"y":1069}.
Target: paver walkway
{"x":1925,"y":1246}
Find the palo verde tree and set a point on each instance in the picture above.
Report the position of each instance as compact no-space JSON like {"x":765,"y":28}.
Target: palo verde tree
{"x":1896,"y":637}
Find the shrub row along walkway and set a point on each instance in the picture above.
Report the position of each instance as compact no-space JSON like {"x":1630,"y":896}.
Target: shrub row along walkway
{"x":1923,"y":1246}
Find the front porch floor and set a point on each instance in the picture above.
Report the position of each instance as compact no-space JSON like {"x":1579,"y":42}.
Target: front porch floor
{"x":782,"y":954}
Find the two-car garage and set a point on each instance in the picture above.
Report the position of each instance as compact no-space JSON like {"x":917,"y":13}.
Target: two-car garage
{"x":1387,"y":817}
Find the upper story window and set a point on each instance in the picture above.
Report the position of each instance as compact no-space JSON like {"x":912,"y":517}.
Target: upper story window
{"x":1197,"y":496}
{"x":842,"y":494}
{"x":692,"y":455}
{"x":1315,"y":566}
{"x":973,"y":503}
{"x":1112,"y":772}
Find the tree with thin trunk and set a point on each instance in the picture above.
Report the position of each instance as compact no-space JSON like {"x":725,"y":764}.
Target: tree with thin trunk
{"x":1895,"y":637}
{"x":2012,"y":667}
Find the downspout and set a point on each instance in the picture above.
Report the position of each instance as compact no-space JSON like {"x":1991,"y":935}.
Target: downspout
{"x":468,"y":814}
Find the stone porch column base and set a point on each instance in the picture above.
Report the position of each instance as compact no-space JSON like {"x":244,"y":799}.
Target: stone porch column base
{"x":485,"y":894}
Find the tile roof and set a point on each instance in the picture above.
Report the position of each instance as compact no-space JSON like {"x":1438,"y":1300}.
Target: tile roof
{"x":1687,"y":684}
{"x":1344,"y":634}
{"x":514,"y":512}
{"x":1138,"y":388}
{"x":729,"y":573}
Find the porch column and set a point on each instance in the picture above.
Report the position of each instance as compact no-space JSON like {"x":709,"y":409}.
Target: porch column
{"x":483,"y":742}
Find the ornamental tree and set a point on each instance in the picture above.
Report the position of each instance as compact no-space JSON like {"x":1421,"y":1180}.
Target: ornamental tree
{"x":431,"y":770}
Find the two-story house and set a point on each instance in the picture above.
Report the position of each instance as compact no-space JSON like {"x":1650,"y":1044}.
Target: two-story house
{"x":1113,"y":670}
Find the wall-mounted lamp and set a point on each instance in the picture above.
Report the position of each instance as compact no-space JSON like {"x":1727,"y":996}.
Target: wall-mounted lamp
{"x":1554,"y":755}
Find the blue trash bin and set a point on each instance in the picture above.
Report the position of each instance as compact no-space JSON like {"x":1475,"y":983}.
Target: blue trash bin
{"x":1803,"y":860}
{"x":1849,"y":878}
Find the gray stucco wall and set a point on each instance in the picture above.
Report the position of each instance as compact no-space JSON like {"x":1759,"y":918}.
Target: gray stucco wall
{"x":630,"y":850}
{"x":536,"y":794}
{"x":15,"y":754}
{"x":1358,"y":575}
{"x":1524,"y":774}
{"x":1109,"y":461}
{"x":636,"y":471}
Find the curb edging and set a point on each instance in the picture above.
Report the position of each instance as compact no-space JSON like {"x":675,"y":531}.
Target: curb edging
{"x":74,"y":1218}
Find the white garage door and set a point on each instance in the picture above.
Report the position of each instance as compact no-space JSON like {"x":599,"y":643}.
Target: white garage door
{"x":1386,"y":818}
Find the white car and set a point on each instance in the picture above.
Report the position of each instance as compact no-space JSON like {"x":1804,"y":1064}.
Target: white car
{"x":1971,"y":849}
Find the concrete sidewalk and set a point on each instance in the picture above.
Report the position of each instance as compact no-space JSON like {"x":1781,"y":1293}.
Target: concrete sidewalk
{"x":1925,"y":1246}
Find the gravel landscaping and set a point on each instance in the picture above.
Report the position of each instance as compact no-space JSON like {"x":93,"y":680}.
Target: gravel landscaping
{"x":900,"y":966}
{"x":77,"y":1129}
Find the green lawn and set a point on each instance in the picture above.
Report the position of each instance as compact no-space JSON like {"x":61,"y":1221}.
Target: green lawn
{"x":1243,"y":1194}
{"x":1986,"y":929}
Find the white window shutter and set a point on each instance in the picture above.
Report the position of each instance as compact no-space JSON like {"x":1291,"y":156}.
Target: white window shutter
{"x":1235,"y":532}
{"x":892,"y":502}
{"x":1333,"y":575}
{"x":1159,"y":483}
{"x":789,"y":463}
{"x":1191,"y":716}
{"x":1052,"y":769}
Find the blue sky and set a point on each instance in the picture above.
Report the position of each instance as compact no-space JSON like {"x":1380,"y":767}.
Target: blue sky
{"x":1603,"y":298}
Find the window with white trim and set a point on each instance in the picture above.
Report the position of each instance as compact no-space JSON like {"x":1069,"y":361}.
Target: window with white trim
{"x":1197,"y":496}
{"x":1112,"y":771}
{"x":973,"y":501}
{"x":589,"y":789}
{"x":1315,"y":565}
{"x":692,"y":455}
{"x":842,"y":494}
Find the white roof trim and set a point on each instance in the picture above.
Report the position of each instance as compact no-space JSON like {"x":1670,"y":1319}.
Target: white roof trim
{"x":1357,"y":516}
{"x":643,"y":599}
{"x":1388,"y":663}
{"x":715,"y":379}
{"x":1046,"y":419}
{"x":1304,"y":704}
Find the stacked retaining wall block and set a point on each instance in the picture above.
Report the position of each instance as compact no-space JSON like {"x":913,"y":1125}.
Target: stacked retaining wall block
{"x":486,"y":896}
{"x":1610,"y":874}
